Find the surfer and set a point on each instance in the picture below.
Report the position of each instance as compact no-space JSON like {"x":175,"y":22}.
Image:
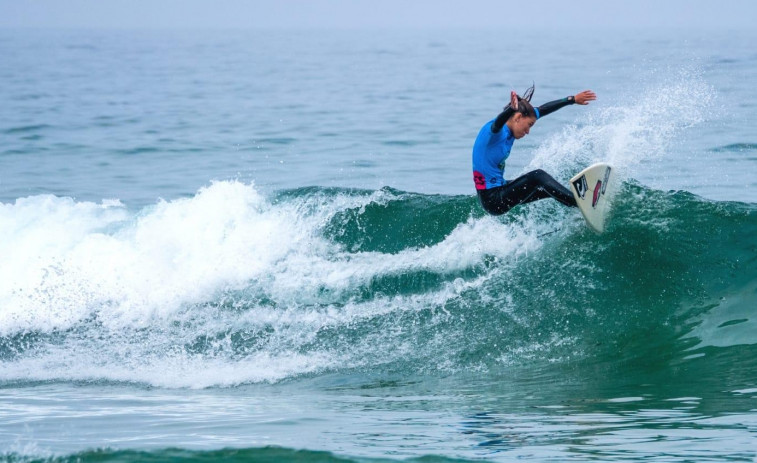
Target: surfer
{"x":492,"y":148}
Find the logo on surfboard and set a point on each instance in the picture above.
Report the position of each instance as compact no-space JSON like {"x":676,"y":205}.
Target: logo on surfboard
{"x":599,"y":189}
{"x":581,"y":186}
{"x":607,"y":177}
{"x":597,"y":193}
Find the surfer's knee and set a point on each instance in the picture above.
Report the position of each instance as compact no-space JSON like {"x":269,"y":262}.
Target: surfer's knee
{"x":540,"y":175}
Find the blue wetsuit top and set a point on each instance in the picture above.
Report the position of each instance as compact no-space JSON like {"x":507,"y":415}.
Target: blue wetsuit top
{"x":490,"y":151}
{"x":494,"y":142}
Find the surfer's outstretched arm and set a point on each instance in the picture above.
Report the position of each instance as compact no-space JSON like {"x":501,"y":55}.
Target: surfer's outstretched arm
{"x":582,"y":98}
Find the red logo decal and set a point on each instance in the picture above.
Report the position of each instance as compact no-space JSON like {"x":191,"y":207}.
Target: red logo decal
{"x":597,"y":193}
{"x":479,"y":180}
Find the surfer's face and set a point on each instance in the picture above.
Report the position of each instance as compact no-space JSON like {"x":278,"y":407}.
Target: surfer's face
{"x":521,"y":125}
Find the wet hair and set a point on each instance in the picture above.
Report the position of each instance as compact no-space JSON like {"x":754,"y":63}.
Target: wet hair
{"x":524,"y":108}
{"x":524,"y":103}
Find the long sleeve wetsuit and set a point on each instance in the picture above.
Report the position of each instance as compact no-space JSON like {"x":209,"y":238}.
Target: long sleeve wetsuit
{"x":490,"y":151}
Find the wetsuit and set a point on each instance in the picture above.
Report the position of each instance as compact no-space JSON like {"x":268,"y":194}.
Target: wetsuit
{"x":491,"y":150}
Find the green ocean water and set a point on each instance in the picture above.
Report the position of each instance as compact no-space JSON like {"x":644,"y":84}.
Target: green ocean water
{"x":267,"y":247}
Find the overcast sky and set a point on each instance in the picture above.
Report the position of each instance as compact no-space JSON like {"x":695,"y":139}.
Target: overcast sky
{"x":535,"y":14}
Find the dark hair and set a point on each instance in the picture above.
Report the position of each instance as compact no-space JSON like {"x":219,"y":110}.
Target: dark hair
{"x":524,"y":103}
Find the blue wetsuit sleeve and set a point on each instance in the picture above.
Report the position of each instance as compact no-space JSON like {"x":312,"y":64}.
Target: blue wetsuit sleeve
{"x":553,"y":106}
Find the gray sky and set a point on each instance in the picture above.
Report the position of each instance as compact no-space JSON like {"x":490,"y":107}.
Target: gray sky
{"x":569,"y":14}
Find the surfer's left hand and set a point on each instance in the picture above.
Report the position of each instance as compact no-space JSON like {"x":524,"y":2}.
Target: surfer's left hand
{"x":585,"y":97}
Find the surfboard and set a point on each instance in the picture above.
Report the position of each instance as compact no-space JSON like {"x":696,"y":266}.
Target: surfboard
{"x":590,"y":187}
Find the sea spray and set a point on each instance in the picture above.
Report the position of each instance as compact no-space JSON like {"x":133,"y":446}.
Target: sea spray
{"x":629,"y":134}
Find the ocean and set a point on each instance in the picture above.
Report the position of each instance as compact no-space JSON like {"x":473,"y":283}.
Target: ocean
{"x":266,"y":246}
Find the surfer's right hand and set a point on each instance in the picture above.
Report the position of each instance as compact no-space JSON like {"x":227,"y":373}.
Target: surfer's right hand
{"x":514,"y":100}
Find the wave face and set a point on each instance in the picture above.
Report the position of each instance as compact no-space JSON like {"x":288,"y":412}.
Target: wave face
{"x":232,"y":286}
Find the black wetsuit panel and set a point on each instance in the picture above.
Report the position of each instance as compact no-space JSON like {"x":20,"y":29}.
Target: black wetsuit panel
{"x":532,"y":186}
{"x":552,"y":106}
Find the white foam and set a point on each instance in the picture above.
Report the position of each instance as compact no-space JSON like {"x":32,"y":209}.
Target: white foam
{"x":71,"y":266}
{"x":38,"y":235}
{"x":305,"y":276}
{"x":123,"y":294}
{"x":158,"y":357}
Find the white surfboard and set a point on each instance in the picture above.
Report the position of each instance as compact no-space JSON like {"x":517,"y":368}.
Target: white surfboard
{"x":590,"y":188}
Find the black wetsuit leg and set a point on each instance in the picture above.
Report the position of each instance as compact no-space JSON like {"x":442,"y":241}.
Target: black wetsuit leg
{"x":533,"y":186}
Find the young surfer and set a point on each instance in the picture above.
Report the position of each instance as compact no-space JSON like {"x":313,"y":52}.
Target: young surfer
{"x":492,"y":148}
